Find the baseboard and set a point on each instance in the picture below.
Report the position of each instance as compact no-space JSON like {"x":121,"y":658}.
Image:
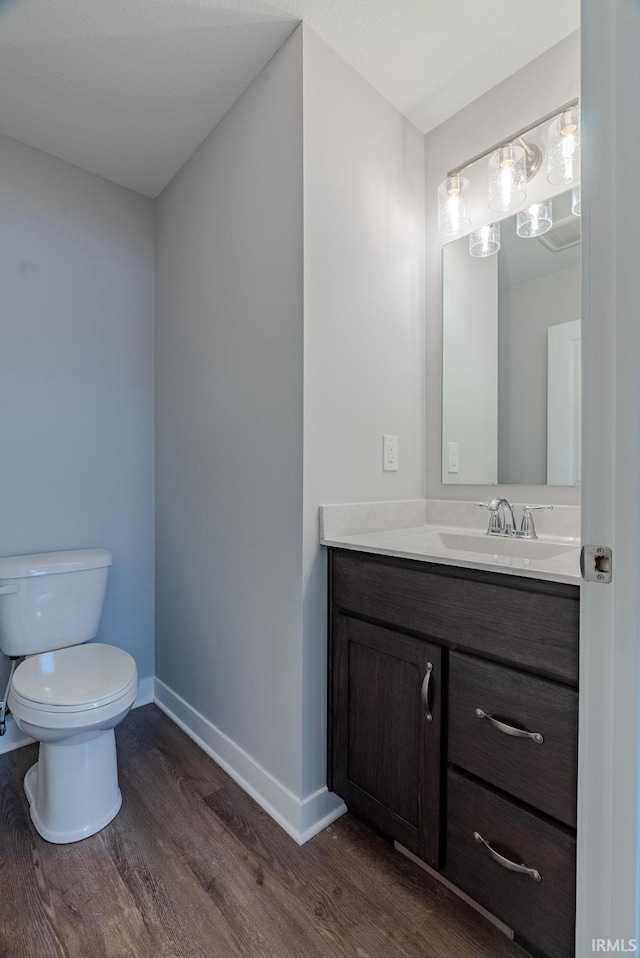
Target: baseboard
{"x":14,"y":738}
{"x":300,"y":818}
{"x":146,"y":691}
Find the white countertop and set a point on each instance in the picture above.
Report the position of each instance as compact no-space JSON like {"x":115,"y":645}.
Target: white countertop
{"x":555,"y":558}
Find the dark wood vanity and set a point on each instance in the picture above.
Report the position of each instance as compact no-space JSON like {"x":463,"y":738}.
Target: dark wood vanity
{"x":453,"y":722}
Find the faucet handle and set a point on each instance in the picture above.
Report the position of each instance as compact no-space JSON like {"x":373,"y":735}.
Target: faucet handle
{"x":495,"y":522}
{"x":527,"y":528}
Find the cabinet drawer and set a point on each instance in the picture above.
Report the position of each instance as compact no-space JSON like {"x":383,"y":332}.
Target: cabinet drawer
{"x":525,"y":622}
{"x":542,"y":913}
{"x":543,"y":774}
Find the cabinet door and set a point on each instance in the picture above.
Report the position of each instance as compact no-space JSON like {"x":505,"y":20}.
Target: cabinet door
{"x":385,"y":709}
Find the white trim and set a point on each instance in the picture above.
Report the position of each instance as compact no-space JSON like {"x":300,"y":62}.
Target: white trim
{"x":14,"y":738}
{"x":146,"y":691}
{"x":608,"y":884}
{"x":300,"y":818}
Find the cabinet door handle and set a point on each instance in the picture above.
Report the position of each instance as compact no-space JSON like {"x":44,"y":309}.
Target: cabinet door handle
{"x":505,"y":862}
{"x":509,"y":729}
{"x":426,"y":691}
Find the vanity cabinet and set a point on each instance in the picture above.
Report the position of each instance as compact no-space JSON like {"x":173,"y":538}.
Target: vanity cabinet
{"x":453,"y":711}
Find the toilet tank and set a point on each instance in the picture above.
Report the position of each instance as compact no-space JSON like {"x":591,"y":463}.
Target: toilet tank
{"x":51,"y":600}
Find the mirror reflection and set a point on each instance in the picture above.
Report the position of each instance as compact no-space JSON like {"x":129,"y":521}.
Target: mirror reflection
{"x":511,"y":350}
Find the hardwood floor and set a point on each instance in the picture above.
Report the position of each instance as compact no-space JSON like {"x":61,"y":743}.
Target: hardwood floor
{"x":193,"y":868}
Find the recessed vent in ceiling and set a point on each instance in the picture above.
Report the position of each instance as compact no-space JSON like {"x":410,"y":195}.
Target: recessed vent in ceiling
{"x":564,"y":234}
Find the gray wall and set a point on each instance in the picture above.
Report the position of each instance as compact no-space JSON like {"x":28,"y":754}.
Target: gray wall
{"x":76,"y":378}
{"x":363,"y":325}
{"x":526,"y":312}
{"x":229,"y":390}
{"x":540,"y":87}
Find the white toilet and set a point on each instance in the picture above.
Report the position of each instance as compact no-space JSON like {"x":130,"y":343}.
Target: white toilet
{"x":66,"y":695}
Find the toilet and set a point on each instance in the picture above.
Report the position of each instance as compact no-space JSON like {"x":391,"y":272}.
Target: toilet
{"x":66,"y":694}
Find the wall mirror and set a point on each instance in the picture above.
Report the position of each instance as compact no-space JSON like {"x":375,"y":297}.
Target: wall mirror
{"x":511,"y":354}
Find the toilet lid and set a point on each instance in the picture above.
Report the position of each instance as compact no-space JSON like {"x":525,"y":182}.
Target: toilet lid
{"x":80,"y":677}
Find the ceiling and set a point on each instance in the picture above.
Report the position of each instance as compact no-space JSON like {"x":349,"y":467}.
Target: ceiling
{"x":129,"y":88}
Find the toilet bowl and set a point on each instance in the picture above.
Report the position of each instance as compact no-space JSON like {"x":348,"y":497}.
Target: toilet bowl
{"x":70,"y":700}
{"x":66,"y":694}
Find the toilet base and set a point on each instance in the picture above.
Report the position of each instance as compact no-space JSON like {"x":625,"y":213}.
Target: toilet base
{"x":73,"y":787}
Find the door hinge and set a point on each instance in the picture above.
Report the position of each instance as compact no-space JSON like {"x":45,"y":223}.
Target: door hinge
{"x":596,"y":563}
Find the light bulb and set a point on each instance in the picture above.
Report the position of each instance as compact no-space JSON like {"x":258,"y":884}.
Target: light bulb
{"x":564,"y":148}
{"x":535,"y":220}
{"x":507,"y":178}
{"x":569,"y":121}
{"x":452,"y":205}
{"x":505,"y":157}
{"x":454,"y":187}
{"x":485,"y":241}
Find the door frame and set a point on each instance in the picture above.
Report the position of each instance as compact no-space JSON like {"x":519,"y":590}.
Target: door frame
{"x":608,"y":792}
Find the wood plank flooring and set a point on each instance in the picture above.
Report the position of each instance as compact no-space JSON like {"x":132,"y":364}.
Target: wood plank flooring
{"x":193,"y":868}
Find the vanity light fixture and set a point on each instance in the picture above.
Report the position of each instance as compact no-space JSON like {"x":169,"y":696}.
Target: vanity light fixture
{"x":535,"y":220}
{"x":452,"y":205}
{"x":564,"y":148}
{"x":512,"y":163}
{"x":576,"y":201}
{"x":485,"y":241}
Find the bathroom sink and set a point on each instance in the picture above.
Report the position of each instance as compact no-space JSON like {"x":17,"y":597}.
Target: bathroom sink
{"x":532,"y":549}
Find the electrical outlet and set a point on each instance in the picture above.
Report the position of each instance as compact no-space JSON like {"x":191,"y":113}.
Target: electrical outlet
{"x":454,"y":457}
{"x":390,"y":453}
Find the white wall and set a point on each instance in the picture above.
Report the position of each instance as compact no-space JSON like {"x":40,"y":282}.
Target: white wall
{"x":540,"y":87}
{"x":470,"y":364}
{"x":76,"y":378}
{"x":526,"y":312}
{"x":363,"y":325}
{"x":229,"y":422}
{"x":280,"y":306}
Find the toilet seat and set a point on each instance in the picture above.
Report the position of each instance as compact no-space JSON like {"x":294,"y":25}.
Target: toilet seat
{"x":81,"y":678}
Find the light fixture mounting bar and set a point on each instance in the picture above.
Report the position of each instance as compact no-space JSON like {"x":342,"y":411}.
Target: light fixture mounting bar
{"x":514,"y":136}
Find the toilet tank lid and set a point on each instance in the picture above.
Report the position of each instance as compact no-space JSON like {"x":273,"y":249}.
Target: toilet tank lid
{"x":52,"y":563}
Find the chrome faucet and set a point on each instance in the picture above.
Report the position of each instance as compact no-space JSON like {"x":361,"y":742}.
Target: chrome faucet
{"x":506,"y":519}
{"x":502,"y":521}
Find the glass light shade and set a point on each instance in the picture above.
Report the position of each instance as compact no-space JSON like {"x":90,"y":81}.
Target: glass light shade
{"x":535,"y":220}
{"x":576,"y":201}
{"x":563,"y":149}
{"x":485,"y":241}
{"x":452,"y":205}
{"x":507,"y":178}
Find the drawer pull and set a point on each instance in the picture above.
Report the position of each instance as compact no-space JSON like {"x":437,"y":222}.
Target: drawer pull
{"x":509,"y":729}
{"x":505,"y":862}
{"x":426,"y":696}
